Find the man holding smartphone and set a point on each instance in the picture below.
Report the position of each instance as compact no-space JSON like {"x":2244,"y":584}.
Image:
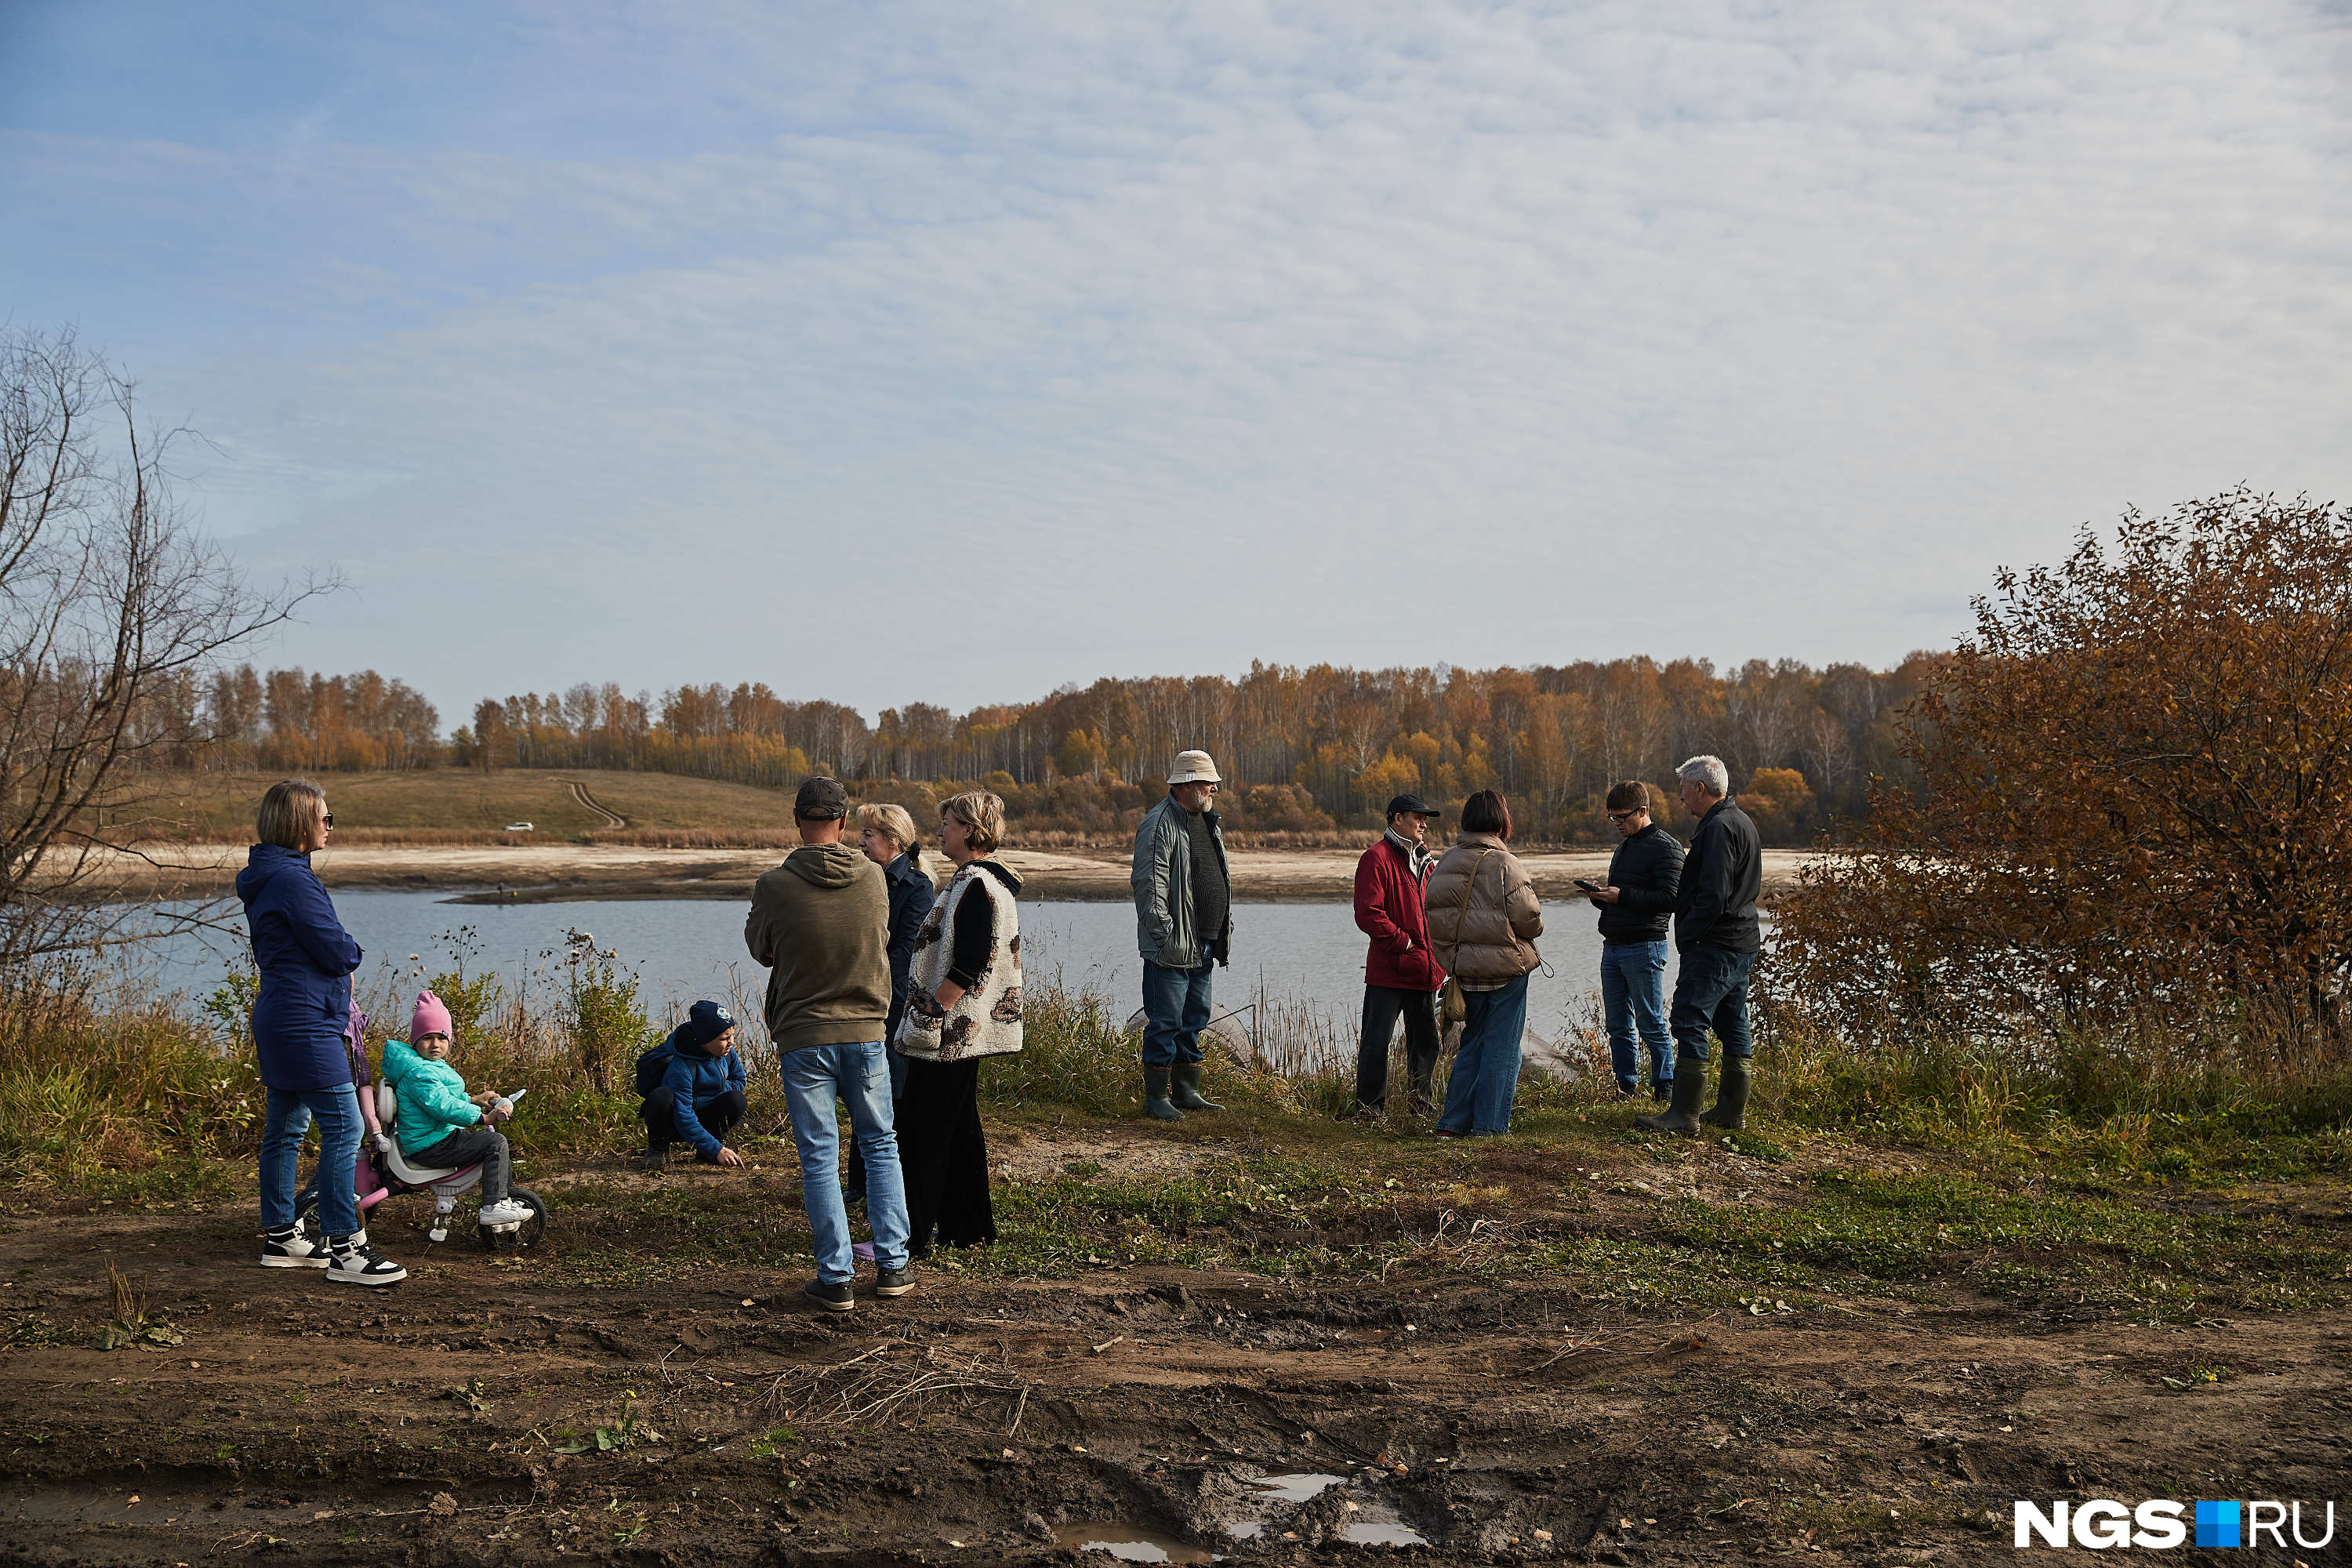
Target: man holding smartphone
{"x":1637,"y":905}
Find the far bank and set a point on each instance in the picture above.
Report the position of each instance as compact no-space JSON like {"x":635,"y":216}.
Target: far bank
{"x":537,"y":872}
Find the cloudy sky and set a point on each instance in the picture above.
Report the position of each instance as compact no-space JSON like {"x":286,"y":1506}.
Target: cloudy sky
{"x":953,"y":351}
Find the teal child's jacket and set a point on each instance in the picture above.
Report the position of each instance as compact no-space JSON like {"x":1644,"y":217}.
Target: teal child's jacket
{"x":433,"y":1103}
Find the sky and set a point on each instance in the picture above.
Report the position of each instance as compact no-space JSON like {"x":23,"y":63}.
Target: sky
{"x":947,"y":352}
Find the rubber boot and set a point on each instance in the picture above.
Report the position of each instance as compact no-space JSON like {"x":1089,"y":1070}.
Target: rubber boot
{"x":1682,"y":1116}
{"x":1731,"y":1095}
{"x":1186,"y":1078}
{"x":1155,"y":1096}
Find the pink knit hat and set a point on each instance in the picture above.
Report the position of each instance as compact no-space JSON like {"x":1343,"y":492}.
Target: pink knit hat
{"x":432,"y":1018}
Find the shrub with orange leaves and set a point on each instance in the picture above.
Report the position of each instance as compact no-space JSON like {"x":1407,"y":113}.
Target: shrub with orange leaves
{"x":2135,"y":814}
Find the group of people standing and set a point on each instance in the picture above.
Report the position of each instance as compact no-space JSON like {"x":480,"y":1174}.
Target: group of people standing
{"x":1452,"y":942}
{"x":886,"y":993}
{"x":885,"y":996}
{"x":1455,"y":934}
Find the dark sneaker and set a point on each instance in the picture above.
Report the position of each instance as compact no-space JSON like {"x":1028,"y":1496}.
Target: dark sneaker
{"x":290,"y":1249}
{"x":832,"y":1298}
{"x":354,"y":1262}
{"x":894,"y":1281}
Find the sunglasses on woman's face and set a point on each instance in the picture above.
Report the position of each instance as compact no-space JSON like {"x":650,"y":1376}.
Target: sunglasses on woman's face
{"x":328,"y":820}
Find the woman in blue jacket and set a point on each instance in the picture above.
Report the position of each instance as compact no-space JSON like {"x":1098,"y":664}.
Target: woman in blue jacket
{"x":886,"y":833}
{"x":306,"y":960}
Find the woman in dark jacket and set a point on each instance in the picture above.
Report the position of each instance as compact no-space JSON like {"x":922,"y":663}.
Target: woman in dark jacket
{"x":886,"y":833}
{"x":306,"y":960}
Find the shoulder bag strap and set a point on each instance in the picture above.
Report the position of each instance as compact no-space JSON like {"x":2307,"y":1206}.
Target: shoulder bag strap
{"x":1462,"y":915}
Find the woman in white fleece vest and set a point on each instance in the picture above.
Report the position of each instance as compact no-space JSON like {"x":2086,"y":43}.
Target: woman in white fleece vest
{"x":963,"y":1003}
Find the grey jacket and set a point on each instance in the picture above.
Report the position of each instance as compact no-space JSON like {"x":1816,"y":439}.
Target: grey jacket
{"x":1163,"y":879}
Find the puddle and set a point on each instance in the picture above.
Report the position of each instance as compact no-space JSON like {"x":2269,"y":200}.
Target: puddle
{"x":1297,"y":1487}
{"x":1129,"y":1545}
{"x":1374,"y":1525}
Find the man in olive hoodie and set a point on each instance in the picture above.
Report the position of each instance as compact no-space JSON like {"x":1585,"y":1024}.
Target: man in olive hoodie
{"x":820,"y":922}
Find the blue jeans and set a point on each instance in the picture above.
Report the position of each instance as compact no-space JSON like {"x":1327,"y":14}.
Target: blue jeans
{"x":1711,"y":992}
{"x":815,"y":1077}
{"x":1486,"y":1065}
{"x":1634,"y":999}
{"x":1175,"y":1011}
{"x":291,"y":1110}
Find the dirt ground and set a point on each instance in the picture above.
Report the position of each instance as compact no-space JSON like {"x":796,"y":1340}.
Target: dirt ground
{"x":496,"y":1409}
{"x":607,"y":871}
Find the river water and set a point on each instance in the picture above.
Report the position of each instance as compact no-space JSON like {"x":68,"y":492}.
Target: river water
{"x":1307,"y":956}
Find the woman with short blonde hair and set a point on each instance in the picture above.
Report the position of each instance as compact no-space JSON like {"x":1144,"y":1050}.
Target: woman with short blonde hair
{"x":982,"y":816}
{"x":963,"y":1004}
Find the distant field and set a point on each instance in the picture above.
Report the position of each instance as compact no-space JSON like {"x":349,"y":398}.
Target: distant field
{"x":422,"y":807}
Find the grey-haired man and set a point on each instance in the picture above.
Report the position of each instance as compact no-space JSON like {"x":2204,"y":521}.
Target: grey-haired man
{"x":1717,"y":935}
{"x":1184,"y":926}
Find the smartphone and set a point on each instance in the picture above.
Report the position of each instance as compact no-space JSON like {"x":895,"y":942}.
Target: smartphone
{"x":1588,"y":884}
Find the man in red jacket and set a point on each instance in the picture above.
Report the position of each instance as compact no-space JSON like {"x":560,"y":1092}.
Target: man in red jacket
{"x":1401,"y":975}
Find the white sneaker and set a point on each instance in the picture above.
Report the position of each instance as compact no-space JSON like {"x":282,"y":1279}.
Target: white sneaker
{"x":290,"y":1249}
{"x":505,"y":1211}
{"x":356,"y":1263}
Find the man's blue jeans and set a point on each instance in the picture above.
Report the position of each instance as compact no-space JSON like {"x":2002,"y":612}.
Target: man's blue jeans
{"x":1175,"y":1011}
{"x":858,"y":1075}
{"x":1485,"y":1076}
{"x":1634,"y":1001}
{"x":282,"y":1130}
{"x":1711,"y":992}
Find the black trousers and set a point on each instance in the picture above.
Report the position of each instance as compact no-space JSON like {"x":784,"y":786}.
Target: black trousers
{"x":475,"y":1146}
{"x":719,"y":1115}
{"x":1382,"y":1006}
{"x":944,"y":1154}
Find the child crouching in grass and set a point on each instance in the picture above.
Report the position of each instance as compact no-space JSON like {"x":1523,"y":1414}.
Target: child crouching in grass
{"x":439,"y":1124}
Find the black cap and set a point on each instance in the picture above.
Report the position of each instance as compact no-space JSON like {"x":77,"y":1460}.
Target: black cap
{"x":819,"y":798}
{"x":1414,"y":804}
{"x":705,"y":1022}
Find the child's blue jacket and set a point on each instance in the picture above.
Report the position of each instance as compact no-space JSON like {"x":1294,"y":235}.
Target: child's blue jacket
{"x":694,"y":1078}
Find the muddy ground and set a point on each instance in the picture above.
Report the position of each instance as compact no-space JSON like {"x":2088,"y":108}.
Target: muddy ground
{"x":594,"y":1402}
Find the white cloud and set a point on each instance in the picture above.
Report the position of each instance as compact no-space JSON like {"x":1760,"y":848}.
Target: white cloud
{"x":1370,"y":334}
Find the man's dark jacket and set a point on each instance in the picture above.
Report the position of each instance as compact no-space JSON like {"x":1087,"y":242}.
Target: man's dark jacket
{"x":1721,"y":878}
{"x":1647,"y":872}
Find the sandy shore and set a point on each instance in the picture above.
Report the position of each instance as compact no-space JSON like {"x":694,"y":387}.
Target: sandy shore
{"x":548,"y":872}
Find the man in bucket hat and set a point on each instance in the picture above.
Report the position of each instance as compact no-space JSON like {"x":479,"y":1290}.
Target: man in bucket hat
{"x":1184,"y":925}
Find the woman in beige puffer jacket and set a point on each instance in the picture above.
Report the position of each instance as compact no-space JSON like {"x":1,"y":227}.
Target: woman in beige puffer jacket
{"x":1483,"y":918}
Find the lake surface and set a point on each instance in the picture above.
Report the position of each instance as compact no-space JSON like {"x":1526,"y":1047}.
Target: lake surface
{"x":1310,"y":955}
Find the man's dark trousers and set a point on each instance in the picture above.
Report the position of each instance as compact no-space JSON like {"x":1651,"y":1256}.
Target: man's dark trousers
{"x":1711,"y":992}
{"x":1383,"y":1005}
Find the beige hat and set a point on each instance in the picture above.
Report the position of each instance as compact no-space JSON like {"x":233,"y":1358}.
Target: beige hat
{"x":1194,"y":767}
